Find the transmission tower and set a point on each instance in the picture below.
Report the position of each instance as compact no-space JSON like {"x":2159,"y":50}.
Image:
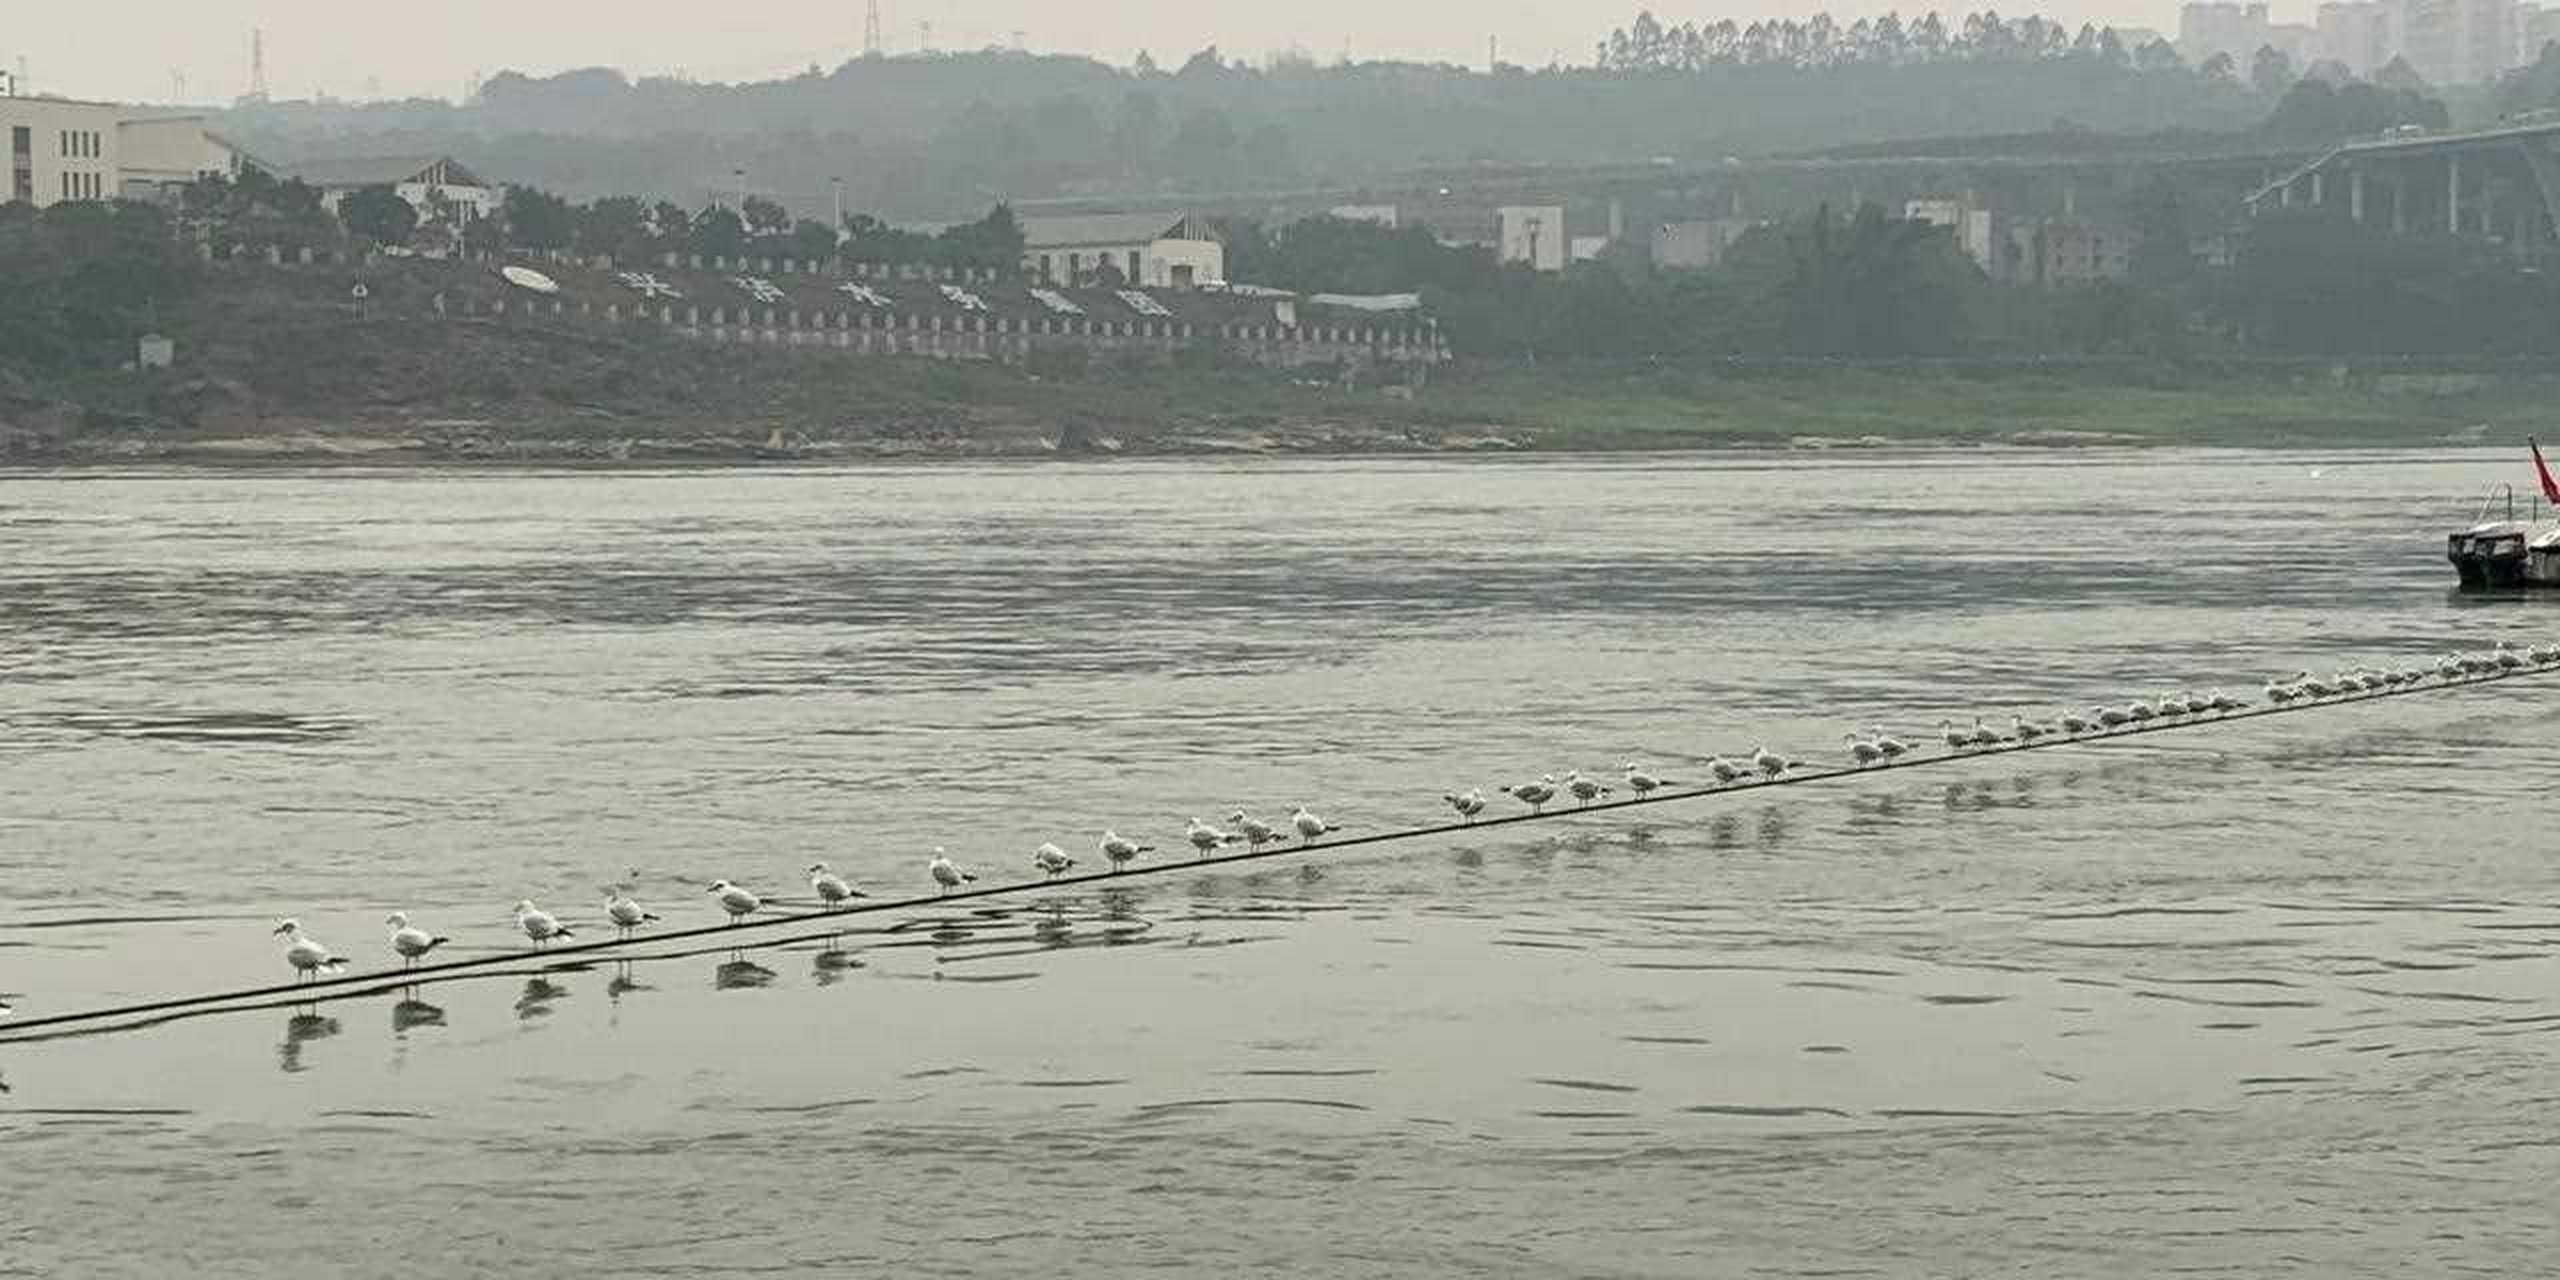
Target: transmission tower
{"x":871,"y":31}
{"x":257,"y":64}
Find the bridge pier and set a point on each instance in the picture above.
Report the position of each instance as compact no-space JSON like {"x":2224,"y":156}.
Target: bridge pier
{"x":2355,"y":195}
{"x":2400,"y":204}
{"x":2545,"y":169}
{"x":2453,"y":195}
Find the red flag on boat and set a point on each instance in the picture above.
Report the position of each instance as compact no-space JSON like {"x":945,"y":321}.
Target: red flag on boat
{"x":2550,"y":487}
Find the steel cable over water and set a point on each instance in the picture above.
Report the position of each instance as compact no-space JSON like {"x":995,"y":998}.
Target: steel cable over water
{"x":378,"y":981}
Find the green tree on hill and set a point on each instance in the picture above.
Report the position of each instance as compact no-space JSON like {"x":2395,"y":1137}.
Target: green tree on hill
{"x":538,"y":220}
{"x":85,"y":279}
{"x":2270,"y":72}
{"x":378,"y":214}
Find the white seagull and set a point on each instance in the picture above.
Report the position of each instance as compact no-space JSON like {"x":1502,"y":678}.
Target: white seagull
{"x":1534,"y":794}
{"x":538,"y":924}
{"x":1957,"y":739}
{"x":1468,"y":803}
{"x":1641,"y":782}
{"x":1585,"y":790}
{"x":409,"y":940}
{"x":625,"y":914}
{"x":1310,"y":826}
{"x":305,"y":953}
{"x":1257,"y":833}
{"x":1984,"y":735}
{"x":1861,"y":751}
{"x":2026,"y":730}
{"x":1768,"y":762}
{"x":1119,"y":849}
{"x":1052,"y":860}
{"x":2111,"y":717}
{"x":1893,"y":748}
{"x":2075,"y":723}
{"x":945,"y":873}
{"x":735,"y":900}
{"x":1206,"y":838}
{"x":1727,"y":770}
{"x":831,"y":888}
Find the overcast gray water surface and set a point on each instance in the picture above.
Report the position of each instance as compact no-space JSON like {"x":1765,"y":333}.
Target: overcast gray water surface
{"x":2279,"y":997}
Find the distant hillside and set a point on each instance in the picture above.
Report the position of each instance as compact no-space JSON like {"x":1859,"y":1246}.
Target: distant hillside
{"x":943,"y":135}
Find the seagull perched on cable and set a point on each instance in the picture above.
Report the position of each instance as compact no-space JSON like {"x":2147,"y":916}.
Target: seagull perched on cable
{"x":2075,"y":723}
{"x":1257,"y":833}
{"x":409,"y":940}
{"x":2139,"y":712}
{"x":1585,"y":790}
{"x":1727,"y":770}
{"x":2111,"y":717}
{"x":1120,"y":849}
{"x":2507,"y":658}
{"x":1534,"y":794}
{"x":1986,"y":736}
{"x":1957,"y":739}
{"x":738,"y":902}
{"x":1641,"y":782}
{"x":1206,"y":838}
{"x":1862,"y":752}
{"x":625,"y":914}
{"x":1893,"y":748}
{"x":947,"y":873}
{"x":1052,"y":860}
{"x":2024,"y":729}
{"x":2225,"y":703}
{"x":1768,"y":762}
{"x":305,"y":953}
{"x":1310,"y":826}
{"x":1468,"y":803}
{"x":539,"y":925}
{"x":830,"y":887}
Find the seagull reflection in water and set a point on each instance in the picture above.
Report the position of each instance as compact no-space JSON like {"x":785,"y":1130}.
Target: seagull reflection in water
{"x":739,"y":974}
{"x":623,"y":982}
{"x":300,"y":1029}
{"x":414,"y":1012}
{"x":831,"y":964}
{"x":537,"y":998}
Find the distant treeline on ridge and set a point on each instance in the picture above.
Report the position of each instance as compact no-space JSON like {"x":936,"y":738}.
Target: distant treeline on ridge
{"x":941,"y":135}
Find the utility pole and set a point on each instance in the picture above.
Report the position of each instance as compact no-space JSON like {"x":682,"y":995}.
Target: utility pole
{"x":924,"y":36}
{"x":871,"y":31}
{"x":257,"y":64}
{"x":1492,"y":54}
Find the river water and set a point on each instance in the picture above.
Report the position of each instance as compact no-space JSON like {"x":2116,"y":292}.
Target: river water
{"x":2279,"y":997}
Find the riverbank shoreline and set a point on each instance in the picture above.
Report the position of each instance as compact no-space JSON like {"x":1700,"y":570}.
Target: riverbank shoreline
{"x":272,"y":378}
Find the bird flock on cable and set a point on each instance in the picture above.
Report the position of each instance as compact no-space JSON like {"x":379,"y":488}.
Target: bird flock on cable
{"x":1876,"y":747}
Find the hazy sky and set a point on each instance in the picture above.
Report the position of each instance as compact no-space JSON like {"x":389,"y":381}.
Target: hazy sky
{"x":128,"y":49}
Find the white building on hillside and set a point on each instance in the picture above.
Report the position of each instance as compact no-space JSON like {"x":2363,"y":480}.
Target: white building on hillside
{"x":1970,"y":224}
{"x":1533,"y":234}
{"x":1147,"y":250}
{"x":159,"y":156}
{"x":64,"y":149}
{"x":424,"y":181}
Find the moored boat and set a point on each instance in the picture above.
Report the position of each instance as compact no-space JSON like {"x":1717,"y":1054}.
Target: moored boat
{"x":2505,"y":551}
